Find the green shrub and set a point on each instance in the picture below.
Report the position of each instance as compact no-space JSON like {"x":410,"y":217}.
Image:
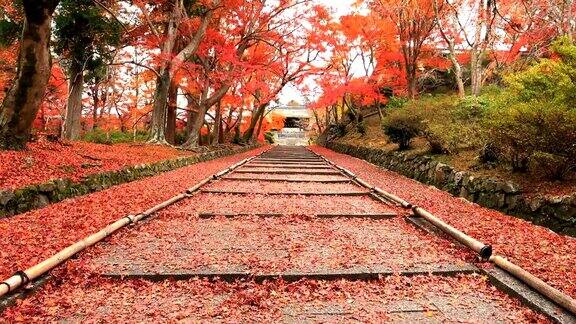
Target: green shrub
{"x":113,"y":137}
{"x":451,"y":136}
{"x":537,"y":133}
{"x":396,"y":102}
{"x":450,"y":124}
{"x":470,"y":108}
{"x":528,"y":123}
{"x":437,"y":143}
{"x":269,"y":137}
{"x":401,"y":127}
{"x":553,"y":166}
{"x":534,"y":121}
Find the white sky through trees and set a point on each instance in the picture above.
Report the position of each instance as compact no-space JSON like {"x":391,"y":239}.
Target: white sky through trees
{"x":340,"y":8}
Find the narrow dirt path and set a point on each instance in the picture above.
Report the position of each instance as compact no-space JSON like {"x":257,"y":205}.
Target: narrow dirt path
{"x":284,"y":238}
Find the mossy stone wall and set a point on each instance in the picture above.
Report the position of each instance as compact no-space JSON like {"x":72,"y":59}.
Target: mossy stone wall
{"x":556,"y":213}
{"x":31,"y":197}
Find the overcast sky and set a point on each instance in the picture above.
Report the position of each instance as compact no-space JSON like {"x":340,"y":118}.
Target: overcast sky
{"x":342,"y":7}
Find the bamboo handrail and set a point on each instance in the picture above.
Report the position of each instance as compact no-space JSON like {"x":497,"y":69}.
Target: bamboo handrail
{"x":536,"y":283}
{"x":485,"y":251}
{"x":21,"y":278}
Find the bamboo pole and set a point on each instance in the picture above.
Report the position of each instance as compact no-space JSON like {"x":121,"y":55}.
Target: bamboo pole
{"x":385,"y":194}
{"x":164,"y":204}
{"x":393,"y":198}
{"x":23,"y":277}
{"x":36,"y":271}
{"x":485,"y":251}
{"x":346,"y":172}
{"x":557,"y":296}
{"x":198,"y":185}
{"x":363,"y":183}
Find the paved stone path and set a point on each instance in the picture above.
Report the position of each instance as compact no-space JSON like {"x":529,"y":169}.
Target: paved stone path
{"x":285,"y":219}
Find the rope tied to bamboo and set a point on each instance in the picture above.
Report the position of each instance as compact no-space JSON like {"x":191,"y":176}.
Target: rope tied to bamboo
{"x":131,"y":219}
{"x":7,"y":285}
{"x":23,"y":277}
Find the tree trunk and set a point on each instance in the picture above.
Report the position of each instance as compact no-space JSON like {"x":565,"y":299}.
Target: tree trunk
{"x":249,"y":134}
{"x":459,"y":78}
{"x":336,"y":118}
{"x":221,"y":134}
{"x":480,"y":40}
{"x":457,"y":70}
{"x":158,"y":126}
{"x":23,"y":101}
{"x":104,"y":99}
{"x":412,"y":81}
{"x":171,"y":114}
{"x":157,"y":130}
{"x":71,"y":126}
{"x":197,"y":123}
{"x":317,"y":121}
{"x":226,"y":130}
{"x":237,"y":135}
{"x":191,"y":114}
{"x":451,"y":49}
{"x":96,"y":99}
{"x":205,"y":104}
{"x":217,"y":124}
{"x":163,"y":80}
{"x":260,"y":121}
{"x":476,"y":71}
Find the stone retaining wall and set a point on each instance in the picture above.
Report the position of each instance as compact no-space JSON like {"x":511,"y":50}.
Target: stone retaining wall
{"x":31,"y":197}
{"x":556,"y":213}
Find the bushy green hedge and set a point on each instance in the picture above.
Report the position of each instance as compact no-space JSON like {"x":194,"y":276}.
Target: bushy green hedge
{"x":529,"y":124}
{"x":401,"y":126}
{"x":448,"y":123}
{"x":534,"y":121}
{"x":113,"y":137}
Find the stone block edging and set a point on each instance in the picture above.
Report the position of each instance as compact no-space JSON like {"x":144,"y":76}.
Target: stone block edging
{"x":556,"y":213}
{"x":16,"y":201}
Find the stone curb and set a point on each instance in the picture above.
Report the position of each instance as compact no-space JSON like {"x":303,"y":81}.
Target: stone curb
{"x":17,"y":201}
